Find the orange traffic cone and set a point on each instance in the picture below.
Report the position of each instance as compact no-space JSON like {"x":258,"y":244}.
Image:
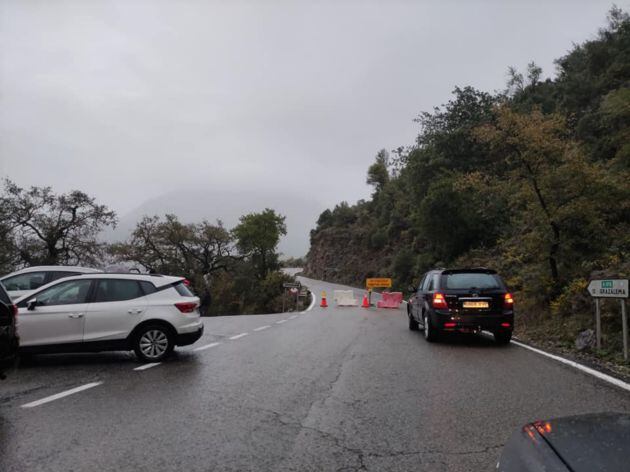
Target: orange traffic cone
{"x":365,"y":303}
{"x":324,"y":304}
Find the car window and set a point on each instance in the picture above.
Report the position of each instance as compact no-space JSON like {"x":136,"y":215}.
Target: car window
{"x":116,"y":290}
{"x":431,"y":284}
{"x":421,"y":284}
{"x":471,"y":280}
{"x":28,"y":281}
{"x":183,"y":290}
{"x":147,"y":287}
{"x":64,"y":293}
{"x":425,"y":284}
{"x":56,"y":275}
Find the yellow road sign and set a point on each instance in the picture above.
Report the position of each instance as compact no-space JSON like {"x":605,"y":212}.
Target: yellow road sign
{"x":378,"y":283}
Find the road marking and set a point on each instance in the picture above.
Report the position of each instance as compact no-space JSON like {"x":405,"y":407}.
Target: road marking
{"x":147,"y":366}
{"x":293,"y":317}
{"x":238,"y":336}
{"x":595,"y":373}
{"x":310,"y":307}
{"x":207,"y":346}
{"x":262,"y":327}
{"x":57,"y":396}
{"x":281,"y":321}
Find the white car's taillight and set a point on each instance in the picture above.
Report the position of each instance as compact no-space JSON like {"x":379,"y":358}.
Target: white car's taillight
{"x":186,"y":307}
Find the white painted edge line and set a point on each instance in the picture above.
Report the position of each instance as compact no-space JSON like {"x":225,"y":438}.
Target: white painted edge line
{"x":59,"y":395}
{"x":238,"y":336}
{"x":313,"y":301}
{"x":207,"y":346}
{"x":147,"y":366}
{"x":260,"y":328}
{"x":595,"y":373}
{"x":281,"y":321}
{"x":293,"y":317}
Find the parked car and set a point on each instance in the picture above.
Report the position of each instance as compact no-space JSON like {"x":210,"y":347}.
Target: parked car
{"x":463,"y":300}
{"x":582,"y":443}
{"x":8,"y":335}
{"x":25,"y":281}
{"x":149,"y":314}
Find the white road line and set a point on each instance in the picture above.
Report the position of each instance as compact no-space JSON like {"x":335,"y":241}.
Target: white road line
{"x":147,"y":366}
{"x":260,"y":328}
{"x":281,"y":321}
{"x":583,"y":368}
{"x":293,"y":317}
{"x":238,"y":336}
{"x":61,"y":395}
{"x":207,"y":346}
{"x":313,"y":301}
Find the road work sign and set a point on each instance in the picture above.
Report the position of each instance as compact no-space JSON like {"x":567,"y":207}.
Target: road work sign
{"x":378,"y":283}
{"x":608,"y":288}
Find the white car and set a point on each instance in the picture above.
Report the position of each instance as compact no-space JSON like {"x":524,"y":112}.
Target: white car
{"x":25,"y":281}
{"x":149,"y":314}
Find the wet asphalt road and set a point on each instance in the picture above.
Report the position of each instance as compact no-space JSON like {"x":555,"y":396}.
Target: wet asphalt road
{"x":335,"y":389}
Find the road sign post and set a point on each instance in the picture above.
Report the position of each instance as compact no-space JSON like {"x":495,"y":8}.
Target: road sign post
{"x":611,"y":288}
{"x":380,"y":282}
{"x":624,"y":328}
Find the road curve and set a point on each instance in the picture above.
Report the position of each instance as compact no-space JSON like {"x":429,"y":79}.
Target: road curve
{"x":331,"y":389}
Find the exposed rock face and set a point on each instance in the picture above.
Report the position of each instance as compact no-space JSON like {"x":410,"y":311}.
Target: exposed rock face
{"x":585,"y":340}
{"x":343,"y":257}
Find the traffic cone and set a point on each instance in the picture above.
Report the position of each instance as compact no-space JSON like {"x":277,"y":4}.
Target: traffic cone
{"x":365,"y":303}
{"x":324,"y":304}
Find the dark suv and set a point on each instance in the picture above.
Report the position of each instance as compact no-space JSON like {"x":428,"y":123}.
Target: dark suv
{"x":8,"y":336}
{"x":463,"y":300}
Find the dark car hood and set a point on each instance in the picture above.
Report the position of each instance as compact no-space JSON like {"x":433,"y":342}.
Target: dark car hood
{"x":590,"y":442}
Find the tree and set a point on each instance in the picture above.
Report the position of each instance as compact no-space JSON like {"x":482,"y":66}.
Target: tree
{"x":557,"y":196}
{"x":47,"y":228}
{"x":378,"y":173}
{"x":257,"y":237}
{"x":171,"y":247}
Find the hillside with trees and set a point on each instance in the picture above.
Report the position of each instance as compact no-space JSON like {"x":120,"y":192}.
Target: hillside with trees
{"x":233,"y":271}
{"x":533,"y":181}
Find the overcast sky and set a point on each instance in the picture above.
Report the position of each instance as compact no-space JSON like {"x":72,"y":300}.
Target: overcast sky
{"x":131,"y":100}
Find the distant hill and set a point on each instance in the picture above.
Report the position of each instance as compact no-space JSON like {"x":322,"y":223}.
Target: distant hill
{"x":196,"y":205}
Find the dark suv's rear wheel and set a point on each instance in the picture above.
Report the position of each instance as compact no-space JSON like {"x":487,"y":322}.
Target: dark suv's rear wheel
{"x":430,"y":333}
{"x":153,"y":343}
{"x":502,"y":337}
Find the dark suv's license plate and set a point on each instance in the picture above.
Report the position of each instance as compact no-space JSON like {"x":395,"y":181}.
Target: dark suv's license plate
{"x":479,"y":304}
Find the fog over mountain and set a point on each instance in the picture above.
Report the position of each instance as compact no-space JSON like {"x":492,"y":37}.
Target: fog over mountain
{"x":227,"y":205}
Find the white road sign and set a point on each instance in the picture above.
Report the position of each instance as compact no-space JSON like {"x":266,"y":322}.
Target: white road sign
{"x":609,"y":288}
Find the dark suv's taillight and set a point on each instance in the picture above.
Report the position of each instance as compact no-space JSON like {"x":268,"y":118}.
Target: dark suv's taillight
{"x":439,"y":301}
{"x":508,"y":301}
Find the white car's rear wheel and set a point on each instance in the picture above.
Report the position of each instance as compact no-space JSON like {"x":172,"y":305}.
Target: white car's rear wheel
{"x":153,"y":343}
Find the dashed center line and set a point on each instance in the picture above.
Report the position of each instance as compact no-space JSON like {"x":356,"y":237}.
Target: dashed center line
{"x":207,"y":346}
{"x":260,"y":328}
{"x":238,"y":336}
{"x":281,"y":321}
{"x":59,"y":395}
{"x":147,"y":366}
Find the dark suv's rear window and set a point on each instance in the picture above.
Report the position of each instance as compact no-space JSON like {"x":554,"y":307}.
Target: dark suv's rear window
{"x":463,"y":281}
{"x":183,"y":290}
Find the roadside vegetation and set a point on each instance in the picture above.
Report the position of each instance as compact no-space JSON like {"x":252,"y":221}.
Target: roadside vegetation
{"x":533,"y":181}
{"x":233,"y":271}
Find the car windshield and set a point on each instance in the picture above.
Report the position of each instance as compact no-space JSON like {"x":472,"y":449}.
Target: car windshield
{"x":463,"y":281}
